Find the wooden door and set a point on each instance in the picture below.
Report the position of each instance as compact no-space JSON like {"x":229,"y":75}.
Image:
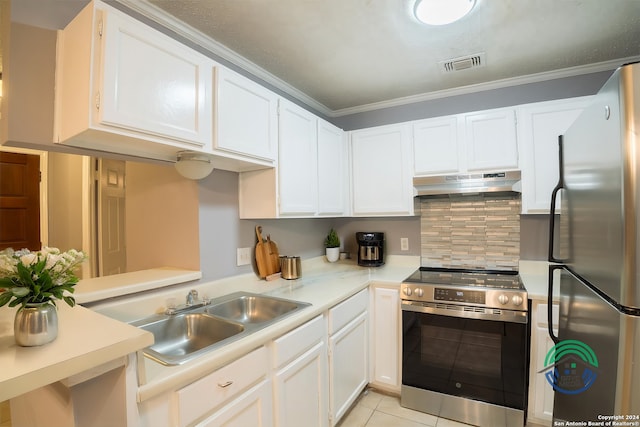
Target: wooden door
{"x":19,"y":201}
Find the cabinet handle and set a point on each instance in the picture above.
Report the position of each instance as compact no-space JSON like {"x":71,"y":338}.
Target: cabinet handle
{"x":225,"y":384}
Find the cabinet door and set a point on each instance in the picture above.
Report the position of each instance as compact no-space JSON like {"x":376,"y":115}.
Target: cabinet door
{"x":300,"y":391}
{"x":539,"y":126}
{"x":381,"y":171}
{"x":540,"y":391}
{"x":490,"y":140}
{"x":332,"y":170}
{"x":385,"y":337}
{"x":253,"y":408}
{"x":348,"y":366}
{"x":297,"y":161}
{"x":247,"y":117}
{"x":153,"y":84}
{"x":435,"y":146}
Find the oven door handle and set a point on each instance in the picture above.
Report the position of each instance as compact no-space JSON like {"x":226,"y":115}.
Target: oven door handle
{"x":497,"y":315}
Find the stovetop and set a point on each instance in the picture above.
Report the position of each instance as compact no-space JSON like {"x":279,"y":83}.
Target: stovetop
{"x":495,"y":279}
{"x":475,"y":287}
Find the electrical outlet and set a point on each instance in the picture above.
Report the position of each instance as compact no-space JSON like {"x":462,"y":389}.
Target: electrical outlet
{"x":404,"y":244}
{"x":243,"y":256}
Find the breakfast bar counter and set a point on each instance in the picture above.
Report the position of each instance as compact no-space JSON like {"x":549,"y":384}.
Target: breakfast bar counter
{"x":86,"y":340}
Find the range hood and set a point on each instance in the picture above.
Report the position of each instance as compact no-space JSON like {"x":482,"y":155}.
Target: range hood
{"x":473,"y":183}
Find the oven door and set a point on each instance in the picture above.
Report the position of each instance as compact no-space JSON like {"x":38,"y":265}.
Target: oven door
{"x":472,"y":354}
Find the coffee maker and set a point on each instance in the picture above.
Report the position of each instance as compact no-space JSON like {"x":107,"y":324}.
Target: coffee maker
{"x":370,"y":249}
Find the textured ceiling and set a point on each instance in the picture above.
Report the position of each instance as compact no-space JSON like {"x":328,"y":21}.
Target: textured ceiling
{"x":345,"y":54}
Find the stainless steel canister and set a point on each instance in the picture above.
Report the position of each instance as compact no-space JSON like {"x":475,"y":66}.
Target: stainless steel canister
{"x":290,"y":266}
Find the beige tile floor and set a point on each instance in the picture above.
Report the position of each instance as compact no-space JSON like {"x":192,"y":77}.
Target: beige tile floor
{"x":375,"y":409}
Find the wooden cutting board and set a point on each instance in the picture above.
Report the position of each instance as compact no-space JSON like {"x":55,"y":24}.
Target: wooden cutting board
{"x":267,"y":258}
{"x":274,"y":256}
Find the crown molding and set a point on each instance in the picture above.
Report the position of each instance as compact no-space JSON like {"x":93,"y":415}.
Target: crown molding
{"x":176,"y":26}
{"x":480,"y":87}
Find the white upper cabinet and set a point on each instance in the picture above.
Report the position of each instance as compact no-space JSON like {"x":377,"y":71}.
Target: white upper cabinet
{"x":124,"y":87}
{"x":435,"y":146}
{"x":151,"y":83}
{"x":298,"y":160}
{"x":471,"y":142}
{"x":333,"y":179}
{"x":381,"y":171}
{"x":246,"y":117}
{"x":539,"y":126}
{"x":310,"y":178}
{"x":490,"y":140}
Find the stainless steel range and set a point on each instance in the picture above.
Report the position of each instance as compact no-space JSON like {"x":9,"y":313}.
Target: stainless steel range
{"x":465,"y":345}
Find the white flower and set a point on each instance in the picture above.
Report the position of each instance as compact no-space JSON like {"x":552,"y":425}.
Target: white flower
{"x":52,"y":260}
{"x":29,"y":259}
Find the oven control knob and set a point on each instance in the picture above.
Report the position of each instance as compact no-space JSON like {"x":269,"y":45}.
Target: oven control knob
{"x":516,"y":300}
{"x":419,"y":292}
{"x":407,"y":291}
{"x":503,"y":299}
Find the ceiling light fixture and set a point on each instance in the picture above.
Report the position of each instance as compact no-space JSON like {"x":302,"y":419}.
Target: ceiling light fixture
{"x":193,"y":165}
{"x":442,"y":12}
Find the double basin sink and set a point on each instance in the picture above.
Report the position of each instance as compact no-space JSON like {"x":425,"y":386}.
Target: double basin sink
{"x":190,"y":333}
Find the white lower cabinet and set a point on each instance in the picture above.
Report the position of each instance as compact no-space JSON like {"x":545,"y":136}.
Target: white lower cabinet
{"x":221,"y":395}
{"x":348,"y":353}
{"x":253,"y":408}
{"x":540,"y":391}
{"x":300,"y":390}
{"x":385,"y":337}
{"x":309,"y":377}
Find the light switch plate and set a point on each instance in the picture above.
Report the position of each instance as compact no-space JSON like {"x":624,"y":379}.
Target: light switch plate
{"x":404,"y":243}
{"x":243,"y":256}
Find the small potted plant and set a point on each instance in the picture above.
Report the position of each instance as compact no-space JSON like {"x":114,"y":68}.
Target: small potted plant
{"x":34,"y":281}
{"x":332,"y":245}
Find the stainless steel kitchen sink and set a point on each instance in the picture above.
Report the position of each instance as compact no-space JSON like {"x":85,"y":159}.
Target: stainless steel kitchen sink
{"x":251,"y":308}
{"x":184,"y":336}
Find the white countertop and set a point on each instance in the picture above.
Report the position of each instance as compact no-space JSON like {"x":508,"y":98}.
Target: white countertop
{"x":85,"y":340}
{"x":100,"y":288}
{"x":535,"y":276}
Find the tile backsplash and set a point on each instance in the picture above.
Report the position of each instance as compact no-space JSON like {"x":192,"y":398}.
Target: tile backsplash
{"x":479,"y":231}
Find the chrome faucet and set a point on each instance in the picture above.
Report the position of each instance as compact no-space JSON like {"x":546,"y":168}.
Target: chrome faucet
{"x":192,"y":301}
{"x":192,"y":297}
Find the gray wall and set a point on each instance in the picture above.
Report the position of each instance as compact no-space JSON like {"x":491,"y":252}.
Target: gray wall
{"x":222,"y":232}
{"x":568,"y":87}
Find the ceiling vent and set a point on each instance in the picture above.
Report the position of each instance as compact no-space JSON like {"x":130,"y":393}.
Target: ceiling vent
{"x":463,"y":63}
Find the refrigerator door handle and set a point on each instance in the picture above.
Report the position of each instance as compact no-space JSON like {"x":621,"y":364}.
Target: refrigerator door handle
{"x":554,"y":194}
{"x":552,"y":269}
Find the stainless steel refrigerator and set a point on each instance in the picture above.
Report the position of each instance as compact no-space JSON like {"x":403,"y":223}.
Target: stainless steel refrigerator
{"x":595,"y":366}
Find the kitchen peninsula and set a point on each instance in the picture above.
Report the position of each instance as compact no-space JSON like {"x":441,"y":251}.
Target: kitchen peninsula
{"x":90,"y":352}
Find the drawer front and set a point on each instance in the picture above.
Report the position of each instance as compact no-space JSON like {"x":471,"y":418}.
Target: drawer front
{"x":294,"y":343}
{"x":347,"y":310}
{"x":206,"y":394}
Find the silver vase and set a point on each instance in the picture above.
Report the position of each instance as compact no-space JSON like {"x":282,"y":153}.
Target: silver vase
{"x":35,"y":324}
